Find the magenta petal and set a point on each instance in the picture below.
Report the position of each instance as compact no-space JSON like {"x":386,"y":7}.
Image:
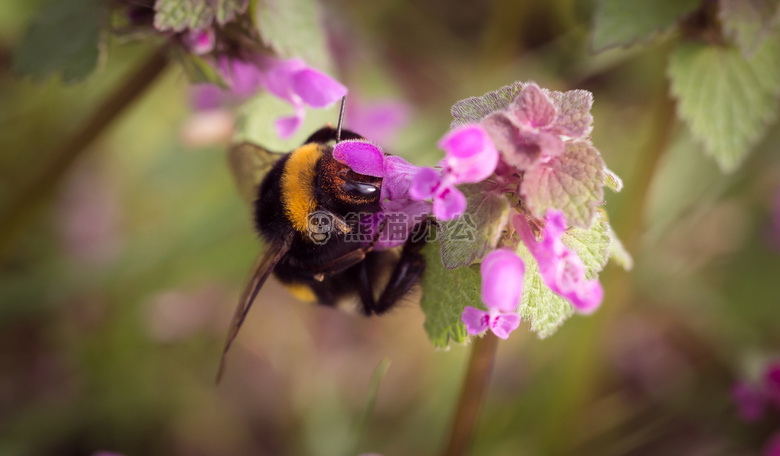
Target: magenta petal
{"x":425,"y":183}
{"x":362,"y":156}
{"x":504,"y":323}
{"x":772,"y":448}
{"x":277,"y":75}
{"x":772,"y":383}
{"x":200,"y":42}
{"x":244,"y":78}
{"x":450,"y":203}
{"x":502,"y":280}
{"x":470,"y":154}
{"x":533,"y":108}
{"x":206,"y":97}
{"x":476,"y":320}
{"x":287,"y":126}
{"x":398,"y":177}
{"x":750,"y":402}
{"x":315,"y":88}
{"x":588,"y":296}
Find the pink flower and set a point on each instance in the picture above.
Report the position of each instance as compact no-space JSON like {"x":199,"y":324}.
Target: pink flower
{"x":502,"y":287}
{"x":291,"y":80}
{"x":772,"y":383}
{"x":750,"y":401}
{"x":560,"y":267}
{"x":469,"y":157}
{"x":379,"y":120}
{"x":530,"y":130}
{"x":200,"y":42}
{"x":402,"y":212}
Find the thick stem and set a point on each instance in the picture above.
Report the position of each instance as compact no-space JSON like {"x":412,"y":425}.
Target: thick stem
{"x":41,"y":185}
{"x":483,"y":352}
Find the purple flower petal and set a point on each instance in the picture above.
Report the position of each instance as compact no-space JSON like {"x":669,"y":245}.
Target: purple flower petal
{"x":287,"y":126}
{"x":425,"y":183}
{"x":561,"y":269}
{"x":244,"y":78}
{"x":772,"y":383}
{"x":316,"y":88}
{"x":398,"y":177}
{"x":476,"y":320}
{"x":470,"y":154}
{"x":200,"y":42}
{"x":362,"y":156}
{"x":504,"y":323}
{"x":502,"y":280}
{"x":533,"y":108}
{"x":207,"y":97}
{"x":276,"y":76}
{"x":449,"y":203}
{"x":378,"y":120}
{"x":750,"y":402}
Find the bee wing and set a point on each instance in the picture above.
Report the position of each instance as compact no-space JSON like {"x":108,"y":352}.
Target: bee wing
{"x":249,"y":164}
{"x":261,"y":272}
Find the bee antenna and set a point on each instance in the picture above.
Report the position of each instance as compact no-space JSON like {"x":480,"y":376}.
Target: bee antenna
{"x":341,"y":118}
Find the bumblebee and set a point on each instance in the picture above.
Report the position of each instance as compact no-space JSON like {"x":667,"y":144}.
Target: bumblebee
{"x":305,"y":203}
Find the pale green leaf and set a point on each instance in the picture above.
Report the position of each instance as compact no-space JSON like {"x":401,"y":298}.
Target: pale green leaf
{"x":292,"y":28}
{"x":618,"y":252}
{"x":474,"y":109}
{"x":544,"y":310}
{"x":572,"y":182}
{"x":727,"y":100}
{"x":748,"y":22}
{"x":627,"y":22}
{"x":64,"y":37}
{"x":227,"y":10}
{"x":446,"y":292}
{"x":469,"y":237}
{"x":180,"y":15}
{"x":592,"y":244}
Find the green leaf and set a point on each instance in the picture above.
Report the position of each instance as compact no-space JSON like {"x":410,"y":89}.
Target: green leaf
{"x":469,"y":237}
{"x":572,"y":182}
{"x":475,"y":109}
{"x":618,"y":252}
{"x":627,"y":22}
{"x":543,"y":309}
{"x":199,"y":71}
{"x":446,"y":292}
{"x":592,"y":244}
{"x":748,"y":22}
{"x":227,"y":10}
{"x":180,"y":15}
{"x":64,"y":37}
{"x":292,"y":29}
{"x":727,"y":100}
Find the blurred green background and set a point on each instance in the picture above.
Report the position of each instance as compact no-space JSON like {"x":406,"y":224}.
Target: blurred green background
{"x":117,"y":287}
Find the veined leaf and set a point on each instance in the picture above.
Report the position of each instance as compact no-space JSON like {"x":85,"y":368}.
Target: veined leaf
{"x":727,"y":100}
{"x":627,"y":22}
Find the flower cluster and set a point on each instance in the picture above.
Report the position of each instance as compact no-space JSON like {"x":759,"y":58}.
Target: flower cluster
{"x":531,"y":146}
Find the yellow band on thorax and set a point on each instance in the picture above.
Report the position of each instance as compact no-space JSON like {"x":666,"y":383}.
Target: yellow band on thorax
{"x":298,"y":185}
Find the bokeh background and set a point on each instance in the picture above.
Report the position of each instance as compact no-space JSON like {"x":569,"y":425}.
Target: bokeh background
{"x":120,"y":272}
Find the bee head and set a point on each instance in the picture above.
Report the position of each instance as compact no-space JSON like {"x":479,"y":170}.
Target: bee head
{"x":347,"y":190}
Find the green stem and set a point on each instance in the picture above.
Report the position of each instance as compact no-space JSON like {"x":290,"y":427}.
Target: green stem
{"x":483,"y":352}
{"x":41,"y":185}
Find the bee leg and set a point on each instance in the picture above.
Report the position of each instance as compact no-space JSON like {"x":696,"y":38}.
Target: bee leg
{"x":350,"y":258}
{"x":407,"y":272}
